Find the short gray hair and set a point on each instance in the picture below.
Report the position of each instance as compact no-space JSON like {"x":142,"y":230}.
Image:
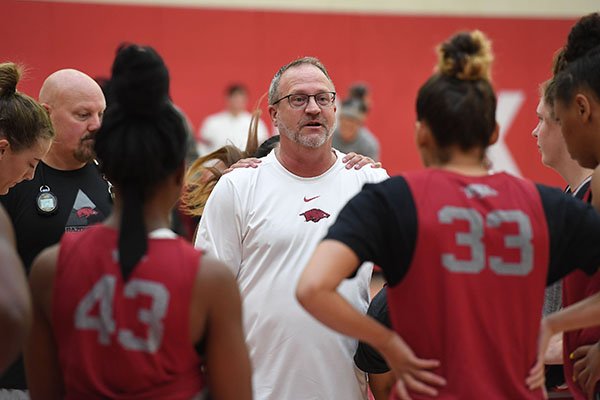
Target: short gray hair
{"x":273,"y":89}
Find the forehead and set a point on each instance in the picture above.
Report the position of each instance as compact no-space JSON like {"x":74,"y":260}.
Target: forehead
{"x":82,"y":96}
{"x":304,"y":78}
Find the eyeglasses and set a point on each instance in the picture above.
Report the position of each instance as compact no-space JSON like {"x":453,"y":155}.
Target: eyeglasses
{"x":323,"y":99}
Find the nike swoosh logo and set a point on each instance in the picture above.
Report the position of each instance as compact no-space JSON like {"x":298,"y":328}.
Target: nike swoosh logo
{"x":311,"y":199}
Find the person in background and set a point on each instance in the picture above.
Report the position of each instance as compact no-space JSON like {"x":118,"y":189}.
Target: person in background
{"x":231,"y":125}
{"x":349,"y":135}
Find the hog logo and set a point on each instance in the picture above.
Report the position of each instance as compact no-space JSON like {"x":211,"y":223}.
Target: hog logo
{"x":314,"y":215}
{"x":86,"y":212}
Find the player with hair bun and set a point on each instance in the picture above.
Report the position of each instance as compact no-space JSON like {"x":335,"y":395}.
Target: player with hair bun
{"x":120,"y":310}
{"x":466,"y":252}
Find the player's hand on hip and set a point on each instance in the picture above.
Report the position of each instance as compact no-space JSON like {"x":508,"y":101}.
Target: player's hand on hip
{"x":412,"y":373}
{"x":586,"y":368}
{"x":537,"y":374}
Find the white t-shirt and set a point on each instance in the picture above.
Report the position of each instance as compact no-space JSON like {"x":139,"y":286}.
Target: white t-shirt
{"x":223,"y":128}
{"x":265,"y":223}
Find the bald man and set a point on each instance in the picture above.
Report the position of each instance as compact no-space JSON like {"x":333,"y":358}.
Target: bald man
{"x":67,"y":192}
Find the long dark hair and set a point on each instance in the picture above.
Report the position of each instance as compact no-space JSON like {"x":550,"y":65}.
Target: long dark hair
{"x":142,"y":142}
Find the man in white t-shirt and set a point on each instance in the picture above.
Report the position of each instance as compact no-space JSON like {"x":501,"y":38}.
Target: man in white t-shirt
{"x":265,"y":222}
{"x":229,"y":126}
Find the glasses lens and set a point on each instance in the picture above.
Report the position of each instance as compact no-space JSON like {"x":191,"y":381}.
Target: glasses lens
{"x":324,"y":99}
{"x":298,"y":100}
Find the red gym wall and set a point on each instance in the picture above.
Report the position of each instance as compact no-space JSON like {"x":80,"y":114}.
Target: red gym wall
{"x":206,"y":49}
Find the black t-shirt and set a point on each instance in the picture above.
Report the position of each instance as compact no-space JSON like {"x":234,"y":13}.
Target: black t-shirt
{"x":83,"y":199}
{"x":366,"y":357}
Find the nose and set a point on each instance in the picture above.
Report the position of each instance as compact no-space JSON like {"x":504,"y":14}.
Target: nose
{"x":535,"y":130}
{"x":95,"y":122}
{"x":29,"y":174}
{"x":312,"y":107}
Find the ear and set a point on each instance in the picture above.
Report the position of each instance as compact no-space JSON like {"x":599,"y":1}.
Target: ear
{"x":423,"y":136}
{"x":583,"y":107}
{"x":495,"y":135}
{"x":4,"y":146}
{"x":47,"y":107}
{"x":273,"y":114}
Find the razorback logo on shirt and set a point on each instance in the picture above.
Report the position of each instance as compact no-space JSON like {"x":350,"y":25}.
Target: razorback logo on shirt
{"x":314,"y":215}
{"x":479,"y":190}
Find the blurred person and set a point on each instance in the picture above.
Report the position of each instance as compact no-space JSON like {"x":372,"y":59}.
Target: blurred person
{"x":229,"y":126}
{"x":349,"y":135}
{"x":25,"y":137}
{"x":577,"y":108}
{"x":67,"y":192}
{"x":581,"y":356}
{"x":160,"y":299}
{"x":466,"y":253}
{"x":263,"y":222}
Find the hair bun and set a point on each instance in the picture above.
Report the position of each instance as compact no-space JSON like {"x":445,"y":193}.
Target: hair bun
{"x":466,"y":56}
{"x":10,"y":73}
{"x":140,"y":80}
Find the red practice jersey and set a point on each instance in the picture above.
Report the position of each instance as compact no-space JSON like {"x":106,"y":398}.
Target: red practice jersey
{"x":578,"y":286}
{"x":482,"y":248}
{"x":125,"y":340}
{"x":467,"y":259}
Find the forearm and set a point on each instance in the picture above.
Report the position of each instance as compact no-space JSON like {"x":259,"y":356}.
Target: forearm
{"x":583,"y":314}
{"x":329,"y":307}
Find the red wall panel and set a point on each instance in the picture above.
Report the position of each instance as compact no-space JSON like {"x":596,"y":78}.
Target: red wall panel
{"x":206,"y":49}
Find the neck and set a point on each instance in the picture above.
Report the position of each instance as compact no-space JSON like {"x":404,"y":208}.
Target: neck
{"x":466,"y":163}
{"x":303,"y":161}
{"x":573,"y":173}
{"x":60,"y":162}
{"x":156,"y":214}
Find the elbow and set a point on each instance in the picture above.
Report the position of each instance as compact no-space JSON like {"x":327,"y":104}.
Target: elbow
{"x":306,"y":293}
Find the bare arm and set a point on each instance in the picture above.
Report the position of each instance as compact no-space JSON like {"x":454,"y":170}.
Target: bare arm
{"x":331,"y":263}
{"x":583,"y":314}
{"x":15,"y":302}
{"x":381,"y":385}
{"x":41,"y":362}
{"x":227,"y":358}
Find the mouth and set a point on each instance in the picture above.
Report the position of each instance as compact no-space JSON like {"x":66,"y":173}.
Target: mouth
{"x":313,"y":124}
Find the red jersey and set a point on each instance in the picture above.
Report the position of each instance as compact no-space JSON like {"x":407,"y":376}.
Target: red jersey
{"x":577,"y":286}
{"x":466,"y":260}
{"x":482,"y":248}
{"x":125,"y":340}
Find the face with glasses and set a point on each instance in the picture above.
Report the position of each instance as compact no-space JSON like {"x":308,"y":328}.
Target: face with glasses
{"x":305,"y":112}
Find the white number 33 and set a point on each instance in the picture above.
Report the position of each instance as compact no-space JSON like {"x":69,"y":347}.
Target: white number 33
{"x":103,"y":294}
{"x":521,"y":241}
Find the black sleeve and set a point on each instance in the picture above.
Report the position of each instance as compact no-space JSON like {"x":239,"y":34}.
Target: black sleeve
{"x":574,"y":230}
{"x":380,"y":225}
{"x":367,"y":358}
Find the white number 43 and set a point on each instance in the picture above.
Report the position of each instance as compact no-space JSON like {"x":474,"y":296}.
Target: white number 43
{"x":103,"y":294}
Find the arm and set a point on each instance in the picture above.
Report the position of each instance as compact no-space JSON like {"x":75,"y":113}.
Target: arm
{"x":381,"y":385}
{"x":331,"y":263}
{"x":227,"y":358}
{"x":15,"y":302}
{"x":41,"y":361}
{"x":220,"y":230}
{"x":583,"y":314}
